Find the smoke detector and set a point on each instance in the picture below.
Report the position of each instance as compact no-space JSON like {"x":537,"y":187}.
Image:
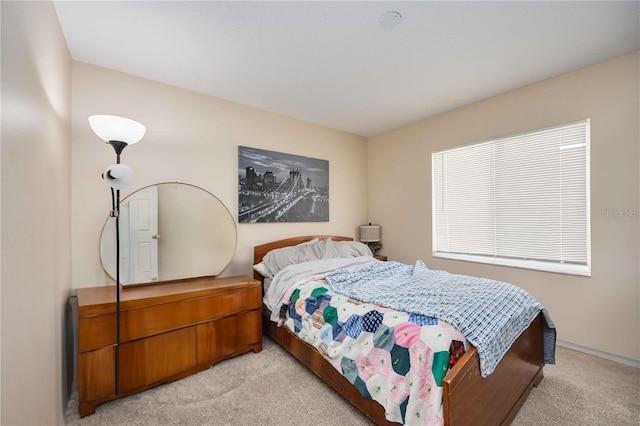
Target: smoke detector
{"x":389,"y":20}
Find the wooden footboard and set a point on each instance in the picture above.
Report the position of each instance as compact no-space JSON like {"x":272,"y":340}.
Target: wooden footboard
{"x":493,"y":400}
{"x":469,"y":399}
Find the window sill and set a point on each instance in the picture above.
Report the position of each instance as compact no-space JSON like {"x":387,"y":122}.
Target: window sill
{"x":559,"y":268}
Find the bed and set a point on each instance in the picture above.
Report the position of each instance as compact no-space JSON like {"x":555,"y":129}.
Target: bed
{"x":467,"y":396}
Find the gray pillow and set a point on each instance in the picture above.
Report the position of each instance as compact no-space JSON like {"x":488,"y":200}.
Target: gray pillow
{"x":351,"y":249}
{"x":316,"y":249}
{"x":278,"y":259}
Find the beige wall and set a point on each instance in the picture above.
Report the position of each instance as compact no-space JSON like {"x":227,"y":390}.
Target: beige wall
{"x":601,"y":312}
{"x":36,"y":194}
{"x":194,"y":139}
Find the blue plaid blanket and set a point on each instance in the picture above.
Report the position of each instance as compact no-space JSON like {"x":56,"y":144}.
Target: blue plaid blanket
{"x":490,"y":314}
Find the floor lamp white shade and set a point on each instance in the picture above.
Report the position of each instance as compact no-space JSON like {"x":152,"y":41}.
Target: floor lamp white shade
{"x":114,"y":128}
{"x":118,"y":176}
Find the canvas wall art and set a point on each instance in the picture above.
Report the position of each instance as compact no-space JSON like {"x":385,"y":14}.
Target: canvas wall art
{"x":279,"y":187}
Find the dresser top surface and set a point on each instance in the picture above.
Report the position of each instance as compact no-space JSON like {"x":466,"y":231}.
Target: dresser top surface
{"x":101,"y":300}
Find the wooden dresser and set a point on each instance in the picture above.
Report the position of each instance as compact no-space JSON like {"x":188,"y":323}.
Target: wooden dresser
{"x":167,"y":331}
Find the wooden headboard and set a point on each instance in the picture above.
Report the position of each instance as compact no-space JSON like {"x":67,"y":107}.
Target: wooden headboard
{"x":260,"y":251}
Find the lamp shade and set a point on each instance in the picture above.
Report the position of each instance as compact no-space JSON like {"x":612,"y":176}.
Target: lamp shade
{"x":114,"y":128}
{"x":118,"y":176}
{"x":370,"y":233}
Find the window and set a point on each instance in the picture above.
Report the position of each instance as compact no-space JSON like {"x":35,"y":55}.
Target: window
{"x":519,"y":201}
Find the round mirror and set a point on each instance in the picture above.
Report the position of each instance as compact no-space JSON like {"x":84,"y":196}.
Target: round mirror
{"x":169,"y":231}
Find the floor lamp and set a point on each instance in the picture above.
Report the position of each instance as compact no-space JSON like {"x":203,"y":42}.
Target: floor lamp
{"x":119,"y":132}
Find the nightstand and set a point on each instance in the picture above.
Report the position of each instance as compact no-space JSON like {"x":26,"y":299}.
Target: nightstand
{"x":380,"y":257}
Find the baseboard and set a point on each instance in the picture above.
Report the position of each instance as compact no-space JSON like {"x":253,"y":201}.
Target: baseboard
{"x":595,"y":352}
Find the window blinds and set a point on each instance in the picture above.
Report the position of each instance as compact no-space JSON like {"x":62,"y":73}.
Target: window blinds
{"x":521,"y":200}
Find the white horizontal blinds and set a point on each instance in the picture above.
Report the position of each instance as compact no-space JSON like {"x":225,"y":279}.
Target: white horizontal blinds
{"x":439,"y":217}
{"x":575,"y":193}
{"x":520,"y":197}
{"x":465,"y":206}
{"x":541,"y":195}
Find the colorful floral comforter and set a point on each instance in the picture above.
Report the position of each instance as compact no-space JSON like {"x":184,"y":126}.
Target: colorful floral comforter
{"x":397,"y":359}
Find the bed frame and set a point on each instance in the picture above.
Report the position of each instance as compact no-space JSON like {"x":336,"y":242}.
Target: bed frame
{"x":468,"y":397}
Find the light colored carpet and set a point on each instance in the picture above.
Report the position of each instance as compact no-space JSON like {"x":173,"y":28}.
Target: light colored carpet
{"x":272,"y":388}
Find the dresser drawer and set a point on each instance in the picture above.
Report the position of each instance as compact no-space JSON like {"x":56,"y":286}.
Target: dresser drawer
{"x":96,"y":332}
{"x":96,"y":368}
{"x":168,"y":354}
{"x":221,"y":338}
{"x":152,"y":320}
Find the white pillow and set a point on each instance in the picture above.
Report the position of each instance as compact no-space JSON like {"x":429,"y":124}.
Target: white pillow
{"x":261,"y":268}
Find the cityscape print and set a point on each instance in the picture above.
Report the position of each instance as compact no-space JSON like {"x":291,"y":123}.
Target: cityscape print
{"x":279,"y":187}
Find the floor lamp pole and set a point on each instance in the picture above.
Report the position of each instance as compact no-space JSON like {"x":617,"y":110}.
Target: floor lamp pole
{"x":117,"y":364}
{"x":116,"y":213}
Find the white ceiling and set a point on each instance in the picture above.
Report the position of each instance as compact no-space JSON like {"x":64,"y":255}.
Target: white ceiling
{"x":331,"y":63}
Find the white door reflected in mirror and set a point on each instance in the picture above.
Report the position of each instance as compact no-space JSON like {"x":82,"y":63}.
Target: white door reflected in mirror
{"x":141,"y":215}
